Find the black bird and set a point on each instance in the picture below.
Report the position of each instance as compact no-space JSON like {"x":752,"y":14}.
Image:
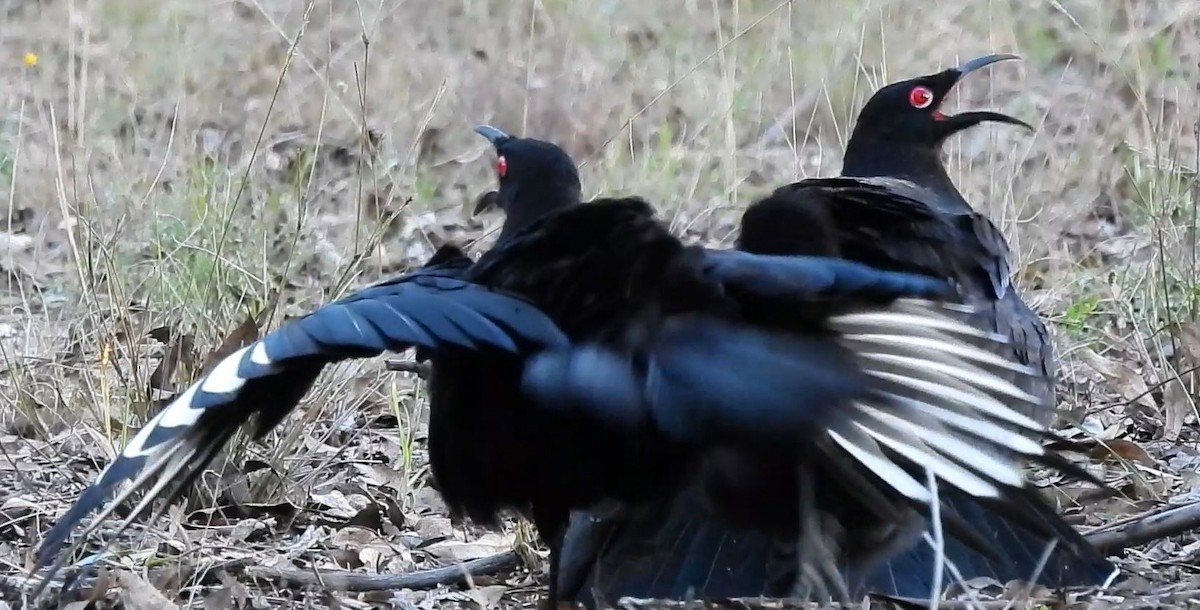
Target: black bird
{"x":644,"y":559}
{"x":895,"y":208}
{"x":591,"y":357}
{"x":899,"y":134}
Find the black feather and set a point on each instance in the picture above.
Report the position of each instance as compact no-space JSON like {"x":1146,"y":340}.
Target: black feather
{"x":266,"y":380}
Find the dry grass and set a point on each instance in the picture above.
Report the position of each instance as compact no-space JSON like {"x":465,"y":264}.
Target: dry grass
{"x":170,"y":168}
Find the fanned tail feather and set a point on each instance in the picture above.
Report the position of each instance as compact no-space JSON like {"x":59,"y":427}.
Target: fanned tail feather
{"x":269,"y":377}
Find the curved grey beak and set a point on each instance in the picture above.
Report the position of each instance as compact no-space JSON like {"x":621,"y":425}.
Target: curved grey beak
{"x":493,"y":135}
{"x":972,"y":65}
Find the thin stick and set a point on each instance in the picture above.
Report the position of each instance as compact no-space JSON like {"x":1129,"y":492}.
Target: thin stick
{"x":422,"y":369}
{"x":1146,"y":528}
{"x":422,"y":579}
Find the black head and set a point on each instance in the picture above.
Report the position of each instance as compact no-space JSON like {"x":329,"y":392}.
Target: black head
{"x":536,"y":178}
{"x":909,"y":111}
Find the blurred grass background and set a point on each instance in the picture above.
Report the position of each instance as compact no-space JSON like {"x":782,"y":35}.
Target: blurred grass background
{"x":179,"y":173}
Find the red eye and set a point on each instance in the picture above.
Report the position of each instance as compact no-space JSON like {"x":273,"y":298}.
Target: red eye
{"x":501,"y":166}
{"x":920,"y":97}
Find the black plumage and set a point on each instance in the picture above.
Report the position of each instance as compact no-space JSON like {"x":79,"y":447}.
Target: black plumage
{"x":265,"y":380}
{"x":740,"y":486}
{"x":592,"y":357}
{"x":899,"y":135}
{"x":897,"y":208}
{"x":625,"y":260}
{"x":895,"y":224}
{"x":894,"y":208}
{"x":888,"y":223}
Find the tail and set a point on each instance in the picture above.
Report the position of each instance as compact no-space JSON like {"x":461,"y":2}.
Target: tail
{"x":676,"y":548}
{"x":668,"y":550}
{"x":266,"y":380}
{"x":1064,"y":560}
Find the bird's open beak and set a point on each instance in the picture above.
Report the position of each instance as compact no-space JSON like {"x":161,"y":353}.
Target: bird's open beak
{"x":967,"y":119}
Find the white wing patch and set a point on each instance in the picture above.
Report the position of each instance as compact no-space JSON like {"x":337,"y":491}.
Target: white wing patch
{"x":258,"y":355}
{"x":180,"y":412}
{"x":884,"y":468}
{"x":223,"y":379}
{"x":946,"y":407}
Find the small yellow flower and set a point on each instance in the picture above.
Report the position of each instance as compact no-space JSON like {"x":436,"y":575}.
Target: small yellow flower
{"x":31,"y":59}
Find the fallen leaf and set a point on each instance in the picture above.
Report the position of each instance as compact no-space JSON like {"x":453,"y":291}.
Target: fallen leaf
{"x":1189,"y":344}
{"x":101,"y":586}
{"x":1177,"y":406}
{"x":137,"y":594}
{"x":337,"y":504}
{"x":246,"y":528}
{"x":1178,"y":394}
{"x":395,"y":514}
{"x":487,"y":597}
{"x":219,"y":600}
{"x":346,"y":559}
{"x":19,"y":502}
{"x":370,"y":517}
{"x":234,"y":588}
{"x":179,"y":357}
{"x":241,"y":336}
{"x":352,"y":537}
{"x":426,"y":500}
{"x":1124,"y":449}
{"x":374,"y":556}
{"x":1122,"y":378}
{"x":370,"y":549}
{"x":375,"y":475}
{"x":429,"y":528}
{"x":485,"y":546}
{"x":316,"y":446}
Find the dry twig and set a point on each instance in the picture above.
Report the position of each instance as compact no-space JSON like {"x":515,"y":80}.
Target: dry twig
{"x":421,"y":579}
{"x":408,"y":366}
{"x":1147,"y":528}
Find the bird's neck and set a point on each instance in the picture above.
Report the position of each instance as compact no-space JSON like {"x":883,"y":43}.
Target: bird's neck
{"x":532,"y":204}
{"x":919,"y":164}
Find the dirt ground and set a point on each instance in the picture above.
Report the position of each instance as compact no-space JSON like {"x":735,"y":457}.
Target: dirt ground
{"x":180,"y":174}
